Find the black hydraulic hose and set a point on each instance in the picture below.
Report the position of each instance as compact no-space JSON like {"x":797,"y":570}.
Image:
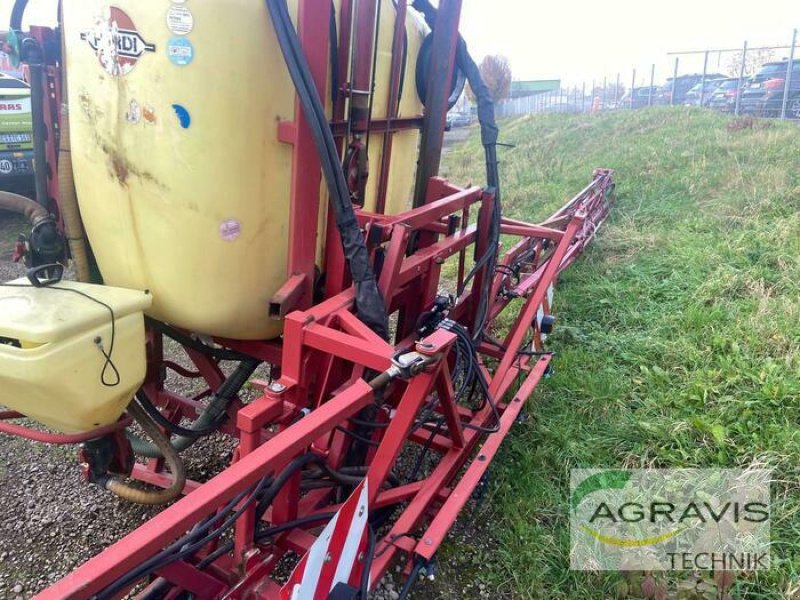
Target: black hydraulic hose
{"x":412,"y":579}
{"x":207,"y":423}
{"x":489,"y":137}
{"x":369,"y":556}
{"x":34,"y":57}
{"x":291,"y":469}
{"x":16,"y":15}
{"x":334,"y":58}
{"x":267,"y":533}
{"x":185,"y":547}
{"x":278,"y":529}
{"x":370,"y":305}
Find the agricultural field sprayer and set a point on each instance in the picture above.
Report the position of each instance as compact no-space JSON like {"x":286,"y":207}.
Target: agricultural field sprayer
{"x":255,"y":184}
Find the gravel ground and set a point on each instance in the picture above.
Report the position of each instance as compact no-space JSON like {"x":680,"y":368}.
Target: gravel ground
{"x":52,"y":521}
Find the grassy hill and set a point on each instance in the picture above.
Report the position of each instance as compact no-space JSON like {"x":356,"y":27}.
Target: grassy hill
{"x":678,"y":336}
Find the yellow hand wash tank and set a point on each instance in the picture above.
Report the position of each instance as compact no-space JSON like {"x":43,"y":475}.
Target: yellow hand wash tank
{"x":71,"y":355}
{"x":182,"y":182}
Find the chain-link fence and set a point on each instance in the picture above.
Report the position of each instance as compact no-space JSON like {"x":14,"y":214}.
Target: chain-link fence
{"x":760,"y":81}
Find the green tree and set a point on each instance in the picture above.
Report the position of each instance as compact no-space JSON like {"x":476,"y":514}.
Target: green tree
{"x":496,"y":72}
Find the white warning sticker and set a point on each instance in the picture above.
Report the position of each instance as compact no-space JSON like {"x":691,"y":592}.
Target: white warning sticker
{"x":180,"y":20}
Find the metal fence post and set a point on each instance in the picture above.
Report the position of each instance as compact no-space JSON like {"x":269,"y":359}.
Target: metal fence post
{"x":604,"y":97}
{"x":742,"y":68}
{"x":674,"y":82}
{"x":583,"y":98}
{"x":652,"y":83}
{"x":789,"y":71}
{"x":633,"y":87}
{"x":703,"y":80}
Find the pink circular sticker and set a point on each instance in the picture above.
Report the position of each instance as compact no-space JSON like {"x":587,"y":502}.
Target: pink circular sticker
{"x":230,"y":230}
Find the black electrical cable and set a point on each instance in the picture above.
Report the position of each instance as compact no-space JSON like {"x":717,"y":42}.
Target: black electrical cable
{"x":426,"y":449}
{"x":370,"y":305}
{"x":368,"y":424}
{"x":189,"y":544}
{"x":357,"y":437}
{"x":275,"y":486}
{"x":474,"y":373}
{"x":264,"y":534}
{"x":369,"y":556}
{"x":186,"y":545}
{"x":412,"y":579}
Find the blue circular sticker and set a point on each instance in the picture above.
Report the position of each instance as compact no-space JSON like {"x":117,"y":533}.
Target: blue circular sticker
{"x":180,"y":51}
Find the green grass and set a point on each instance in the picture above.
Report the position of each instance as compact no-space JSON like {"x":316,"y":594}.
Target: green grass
{"x":678,"y":337}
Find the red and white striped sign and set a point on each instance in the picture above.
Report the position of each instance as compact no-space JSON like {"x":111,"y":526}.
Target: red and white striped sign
{"x":337,"y":556}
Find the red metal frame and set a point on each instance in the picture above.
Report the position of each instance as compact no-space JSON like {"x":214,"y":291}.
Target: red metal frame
{"x":327,"y":339}
{"x":325,"y":367}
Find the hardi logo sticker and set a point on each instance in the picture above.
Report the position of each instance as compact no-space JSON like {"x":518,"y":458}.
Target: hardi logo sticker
{"x":672,"y":519}
{"x":117,"y":43}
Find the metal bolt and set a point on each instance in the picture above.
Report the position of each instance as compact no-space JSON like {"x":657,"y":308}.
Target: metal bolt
{"x":360,"y":557}
{"x":428,"y":542}
{"x":361,"y":511}
{"x":276,"y":388}
{"x":328,"y":557}
{"x":482,"y":457}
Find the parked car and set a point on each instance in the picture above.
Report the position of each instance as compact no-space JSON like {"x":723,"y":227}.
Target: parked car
{"x":763,"y":94}
{"x":724,"y":97}
{"x":459,"y":119}
{"x":16,"y":133}
{"x":680,"y":86}
{"x":640,"y":97}
{"x":702,"y":92}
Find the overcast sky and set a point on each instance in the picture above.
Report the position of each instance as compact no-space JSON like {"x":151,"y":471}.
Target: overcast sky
{"x":583,"y":40}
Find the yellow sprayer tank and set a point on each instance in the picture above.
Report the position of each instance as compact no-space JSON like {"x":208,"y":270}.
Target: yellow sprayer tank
{"x":182,"y":183}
